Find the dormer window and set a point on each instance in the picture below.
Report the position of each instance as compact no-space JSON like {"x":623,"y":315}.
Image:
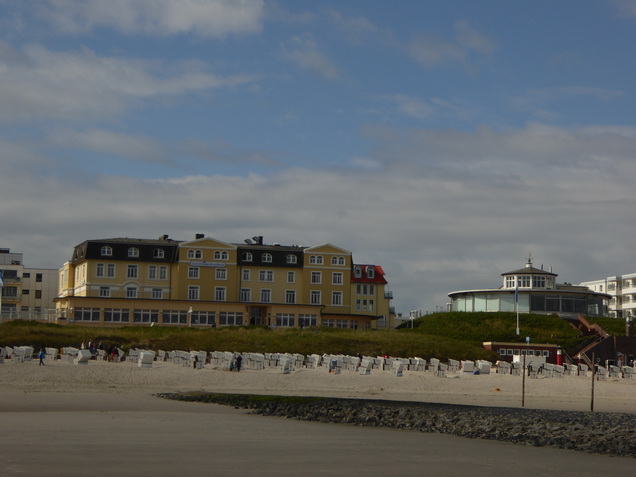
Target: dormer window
{"x":248,"y":257}
{"x":357,"y":272}
{"x":266,"y":258}
{"x":370,"y":272}
{"x":292,"y":258}
{"x":133,"y":252}
{"x":159,"y":253}
{"x":220,"y":255}
{"x":107,"y":251}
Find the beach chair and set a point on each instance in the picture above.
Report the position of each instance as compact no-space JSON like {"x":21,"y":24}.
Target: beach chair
{"x":615,"y":372}
{"x":365,"y":366}
{"x":533,"y":370}
{"x":629,"y":372}
{"x":601,"y":373}
{"x":558,"y":371}
{"x":453,"y":366}
{"x":503,"y":367}
{"x":51,"y":353}
{"x":467,"y":366}
{"x":433,"y":365}
{"x":583,"y":370}
{"x":83,"y":356}
{"x":398,"y":368}
{"x":571,"y":369}
{"x":441,"y":370}
{"x":516,"y":368}
{"x":548,"y":370}
{"x":483,"y":366}
{"x":145,"y":359}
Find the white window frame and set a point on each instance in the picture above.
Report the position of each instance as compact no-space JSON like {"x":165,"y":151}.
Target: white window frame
{"x":266,"y":258}
{"x":315,"y":297}
{"x":152,"y":272}
{"x":316,"y":277}
{"x":290,"y":297}
{"x":163,"y":273}
{"x":221,"y":274}
{"x":106,"y":251}
{"x":157,"y":293}
{"x":336,"y":298}
{"x":266,"y":295}
{"x":99,"y":271}
{"x":193,"y":273}
{"x":193,"y":292}
{"x":133,"y":252}
{"x":291,"y":258}
{"x":159,"y":253}
{"x":132,"y":271}
{"x":132,"y":292}
{"x":246,"y":295}
{"x":247,"y":275}
{"x":220,"y":294}
{"x":104,"y":292}
{"x":291,"y":277}
{"x":266,"y":276}
{"x":337,"y":278}
{"x":110,"y":270}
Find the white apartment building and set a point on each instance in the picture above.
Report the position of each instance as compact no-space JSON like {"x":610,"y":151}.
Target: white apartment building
{"x":622,"y":289}
{"x":27,"y":293}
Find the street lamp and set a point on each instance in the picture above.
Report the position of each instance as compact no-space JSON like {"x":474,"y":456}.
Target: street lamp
{"x":190,"y":317}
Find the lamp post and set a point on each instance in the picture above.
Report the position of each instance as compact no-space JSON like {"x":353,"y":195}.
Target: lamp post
{"x":190,"y":317}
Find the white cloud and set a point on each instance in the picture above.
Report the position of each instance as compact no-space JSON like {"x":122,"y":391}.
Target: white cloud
{"x":306,"y":54}
{"x":208,"y":18}
{"x":452,"y":210}
{"x":37,"y":83}
{"x":433,"y":50}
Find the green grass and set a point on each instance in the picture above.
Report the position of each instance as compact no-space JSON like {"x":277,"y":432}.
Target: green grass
{"x":440,"y":335}
{"x":245,"y":339}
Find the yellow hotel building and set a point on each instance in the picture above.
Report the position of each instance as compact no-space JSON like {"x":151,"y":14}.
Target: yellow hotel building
{"x":209,"y":283}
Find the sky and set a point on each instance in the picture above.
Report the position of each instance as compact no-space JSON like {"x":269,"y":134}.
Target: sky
{"x":443,"y":141}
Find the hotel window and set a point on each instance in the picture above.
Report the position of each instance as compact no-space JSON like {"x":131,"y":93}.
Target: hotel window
{"x":110,"y":270}
{"x":316,"y":277}
{"x":157,"y":293}
{"x":107,"y":251}
{"x":100,"y":270}
{"x":219,"y":293}
{"x":204,"y":318}
{"x":131,"y":292}
{"x":104,"y":292}
{"x":357,"y":272}
{"x":163,"y":273}
{"x":370,"y":272}
{"x":193,"y":272}
{"x":246,"y":275}
{"x":314,"y":297}
{"x":246,"y":295}
{"x":248,"y":257}
{"x":174,"y":317}
{"x":116,"y":315}
{"x":329,"y":323}
{"x":524,"y":281}
{"x":266,"y":295}
{"x":133,"y":271}
{"x":285,"y":319}
{"x":190,"y":253}
{"x":291,"y":277}
{"x":292,"y":258}
{"x":510,"y":282}
{"x":266,"y":276}
{"x":290,"y":297}
{"x":336,"y":278}
{"x":315,"y":260}
{"x":358,"y":305}
{"x":133,"y":252}
{"x":334,"y":260}
{"x":146,"y":316}
{"x":159,"y":253}
{"x":306,"y":320}
{"x":266,"y":258}
{"x":221,"y":273}
{"x":230,"y":318}
{"x":193,"y":292}
{"x":152,"y":272}
{"x":342,"y":323}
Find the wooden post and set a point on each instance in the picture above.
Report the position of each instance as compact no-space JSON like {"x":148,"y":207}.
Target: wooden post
{"x":523,"y":382}
{"x":593,"y":379}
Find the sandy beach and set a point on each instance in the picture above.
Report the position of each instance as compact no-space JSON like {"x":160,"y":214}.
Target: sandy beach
{"x":59,"y":418}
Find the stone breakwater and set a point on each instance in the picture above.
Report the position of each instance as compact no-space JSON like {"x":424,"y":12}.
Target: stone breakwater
{"x":598,"y":433}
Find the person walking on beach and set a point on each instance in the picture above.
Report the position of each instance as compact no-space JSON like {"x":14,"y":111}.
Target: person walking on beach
{"x":41,"y":355}
{"x":239,"y":360}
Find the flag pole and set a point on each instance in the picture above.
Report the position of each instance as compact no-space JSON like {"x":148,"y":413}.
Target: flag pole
{"x":517,"y":307}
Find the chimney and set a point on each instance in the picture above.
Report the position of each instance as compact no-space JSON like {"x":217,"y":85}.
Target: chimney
{"x":199,"y":236}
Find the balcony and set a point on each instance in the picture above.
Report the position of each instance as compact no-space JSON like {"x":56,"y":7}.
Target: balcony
{"x":388,"y":294}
